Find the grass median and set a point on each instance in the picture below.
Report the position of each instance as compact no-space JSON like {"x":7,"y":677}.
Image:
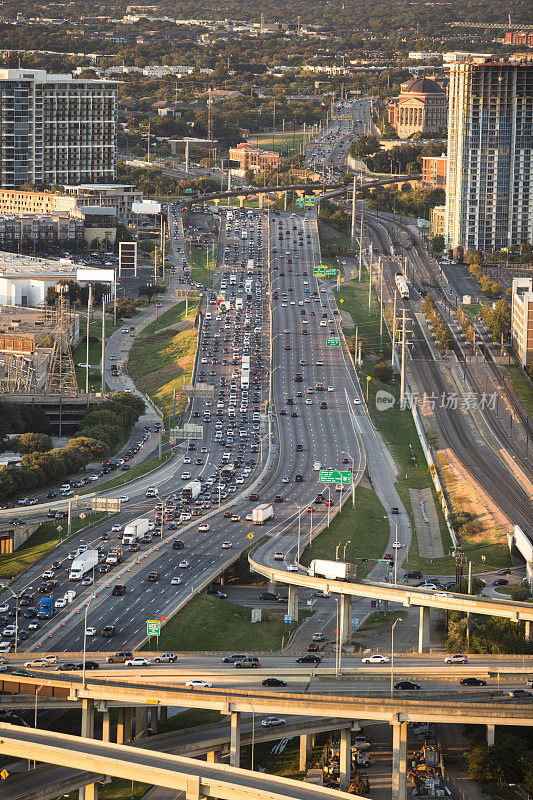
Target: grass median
{"x":45,"y":538}
{"x":363,"y":529}
{"x":162,"y":357}
{"x":208,"y":623}
{"x":130,"y":475}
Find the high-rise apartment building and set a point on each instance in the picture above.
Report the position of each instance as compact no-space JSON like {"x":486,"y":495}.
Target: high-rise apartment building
{"x":522,"y":320}
{"x":56,"y":129}
{"x":489,"y":193}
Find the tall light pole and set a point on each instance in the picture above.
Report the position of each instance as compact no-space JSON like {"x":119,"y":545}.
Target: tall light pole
{"x":87,"y":604}
{"x":17,"y":597}
{"x":396,"y":548}
{"x":300,"y":509}
{"x":392,"y":657}
{"x":253,"y":733}
{"x":337,"y":551}
{"x":352,"y":472}
{"x":344,"y":549}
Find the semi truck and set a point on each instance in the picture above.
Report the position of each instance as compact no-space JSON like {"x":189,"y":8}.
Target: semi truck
{"x":262,"y":513}
{"x":134,"y":531}
{"x":46,"y":607}
{"x":83,"y":564}
{"x":333,"y":570}
{"x":191,"y":491}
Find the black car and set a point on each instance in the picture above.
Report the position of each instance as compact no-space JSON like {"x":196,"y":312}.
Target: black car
{"x":309,"y":659}
{"x":500,"y":582}
{"x":273,"y":682}
{"x":68,"y":666}
{"x":472,"y":682}
{"x":108,"y":631}
{"x":88,"y":665}
{"x":268,"y":596}
{"x":406,"y":685}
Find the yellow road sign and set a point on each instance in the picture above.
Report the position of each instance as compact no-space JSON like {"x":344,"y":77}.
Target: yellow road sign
{"x":4,"y":774}
{"x":249,"y":536}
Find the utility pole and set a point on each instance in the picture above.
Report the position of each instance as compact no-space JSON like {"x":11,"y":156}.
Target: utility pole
{"x":369,"y":287}
{"x":209,"y":123}
{"x":103,"y":344}
{"x":89,"y":306}
{"x":361,"y":248}
{"x":354,"y":200}
{"x":380,"y":304}
{"x":393,"y":332}
{"x":356,"y":344}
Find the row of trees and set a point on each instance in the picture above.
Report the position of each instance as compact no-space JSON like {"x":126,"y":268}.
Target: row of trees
{"x":440,"y":329}
{"x":20,"y":418}
{"x":100,"y":434}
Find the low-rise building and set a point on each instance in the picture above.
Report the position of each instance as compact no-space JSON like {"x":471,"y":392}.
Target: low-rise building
{"x":117,"y":196}
{"x":41,"y":230}
{"x":522,"y":320}
{"x":434,"y":169}
{"x":421,"y":107}
{"x":437,"y":215}
{"x":244,"y":157}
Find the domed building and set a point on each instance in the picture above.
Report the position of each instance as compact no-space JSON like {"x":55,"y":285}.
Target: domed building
{"x":421,"y":106}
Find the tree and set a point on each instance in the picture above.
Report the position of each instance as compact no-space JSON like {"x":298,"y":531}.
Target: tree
{"x":474,"y":257}
{"x":150,"y":289}
{"x":497,"y":319}
{"x":31,"y":443}
{"x":501,"y":763}
{"x":438,"y":244}
{"x":383,"y":372}
{"x":364,"y":146}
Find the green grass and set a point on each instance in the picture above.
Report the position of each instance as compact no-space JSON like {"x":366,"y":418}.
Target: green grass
{"x":472,"y":309}
{"x":283,"y":142}
{"x":41,"y":542}
{"x":353,"y":298}
{"x":190,"y":719}
{"x":365,"y":527}
{"x":198,"y":261}
{"x":117,"y":789}
{"x":126,"y":477}
{"x":522,"y":386}
{"x":381,"y":618}
{"x":207,"y":623}
{"x":162,"y":358}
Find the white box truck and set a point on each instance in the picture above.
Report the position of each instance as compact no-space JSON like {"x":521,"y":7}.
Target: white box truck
{"x":333,"y":570}
{"x":82,"y":565}
{"x":134,"y":531}
{"x":239,"y":303}
{"x":262,"y":513}
{"x":191,"y":491}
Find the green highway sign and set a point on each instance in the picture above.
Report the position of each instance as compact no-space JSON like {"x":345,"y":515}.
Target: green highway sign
{"x":333,"y":341}
{"x":153,"y":627}
{"x":309,"y":201}
{"x":331,"y":273}
{"x":334,"y":476}
{"x":300,"y":202}
{"x":319,"y":271}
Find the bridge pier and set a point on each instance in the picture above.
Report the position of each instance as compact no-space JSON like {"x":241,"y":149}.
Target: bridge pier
{"x":128,"y":724}
{"x":491,"y":734}
{"x":89,"y":792}
{"x":163,"y":715}
{"x":292,"y":605}
{"x":399,"y":760}
{"x":527,"y":630}
{"x":154,"y":722}
{"x":106,"y":726}
{"x":271,"y":586}
{"x":235,"y":739}
{"x":305,"y":748}
{"x":212,"y":757}
{"x":345,"y":618}
{"x":423,"y":629}
{"x":345,"y":759}
{"x":140,"y":721}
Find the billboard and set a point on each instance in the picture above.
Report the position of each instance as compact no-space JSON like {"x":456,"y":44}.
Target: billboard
{"x":86,"y":275}
{"x":146,"y":207}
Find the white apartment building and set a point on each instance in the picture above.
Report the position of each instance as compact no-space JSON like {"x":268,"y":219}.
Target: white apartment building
{"x":489,"y":194}
{"x":522,"y":320}
{"x":56,"y":129}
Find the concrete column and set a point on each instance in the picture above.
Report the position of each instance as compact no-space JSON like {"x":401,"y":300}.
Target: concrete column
{"x":140,"y":721}
{"x":153,"y":719}
{"x":527,"y":630}
{"x":120,"y":726}
{"x":212,"y":757}
{"x":345,"y":759}
{"x":399,"y":760}
{"x":87,"y":718}
{"x":271,"y":586}
{"x":305,"y":749}
{"x":491,"y":734}
{"x":106,"y":726}
{"x":128,"y":724}
{"x":163,"y":715}
{"x":235,"y":740}
{"x":292,"y":606}
{"x":423,"y":630}
{"x":345,"y":618}
{"x":89,"y":792}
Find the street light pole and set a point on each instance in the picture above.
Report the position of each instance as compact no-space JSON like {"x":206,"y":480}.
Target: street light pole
{"x":87,"y":604}
{"x":344,"y":549}
{"x":392,"y":658}
{"x":337,"y":551}
{"x":396,"y":548}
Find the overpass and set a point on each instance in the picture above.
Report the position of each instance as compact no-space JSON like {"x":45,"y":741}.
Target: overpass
{"x":198,"y":779}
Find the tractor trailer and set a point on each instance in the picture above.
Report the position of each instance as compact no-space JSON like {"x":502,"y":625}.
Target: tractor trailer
{"x":134,"y":531}
{"x":83,"y":564}
{"x":333,"y":570}
{"x":262,"y":513}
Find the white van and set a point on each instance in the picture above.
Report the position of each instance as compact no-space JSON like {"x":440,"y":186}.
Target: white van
{"x":316,"y":465}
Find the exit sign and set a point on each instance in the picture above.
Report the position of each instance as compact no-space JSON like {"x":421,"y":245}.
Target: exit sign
{"x":153,"y":627}
{"x":334,"y":476}
{"x":333,"y":341}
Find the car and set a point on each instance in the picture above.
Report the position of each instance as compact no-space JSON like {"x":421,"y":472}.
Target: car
{"x":233,"y":658}
{"x":413,"y":574}
{"x":184,"y":564}
{"x":375,"y":658}
{"x":90,"y":631}
{"x":68,"y":666}
{"x":168,"y":658}
{"x":60,"y":602}
{"x":185,"y":476}
{"x":309,"y":659}
{"x":227,"y":545}
{"x":88,"y":665}
{"x":120,"y":657}
{"x":443,"y":595}
{"x":116,"y":528}
{"x":520,"y":693}
{"x":500,"y":582}
{"x":175,"y":581}
{"x":199,"y":683}
{"x":472,"y":682}
{"x":152,"y":576}
{"x":292,"y":567}
{"x":272,"y":722}
{"x":278,"y":556}
{"x":407,"y":685}
{"x":138,"y":661}
{"x":456,"y":658}
{"x":108,"y":631}
{"x":273,"y":682}
{"x":395,"y":510}
{"x":42,"y":662}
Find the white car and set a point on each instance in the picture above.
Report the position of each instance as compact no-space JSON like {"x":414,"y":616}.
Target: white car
{"x":41,"y":662}
{"x":227,"y":545}
{"x":115,"y":529}
{"x":48,"y":573}
{"x":184,"y":564}
{"x":292,"y":567}
{"x":331,"y":388}
{"x":185,"y":476}
{"x":60,"y":602}
{"x":4,"y":608}
{"x":308,"y":401}
{"x":396,"y":545}
{"x":199,"y":683}
{"x":356,"y":401}
{"x":457,"y":658}
{"x":123,"y":498}
{"x":443,"y":595}
{"x":175,"y":581}
{"x":205,"y":526}
{"x":91,"y":631}
{"x":284,"y":479}
{"x":272,"y":722}
{"x":376,"y":658}
{"x":187,"y":460}
{"x":138,"y":661}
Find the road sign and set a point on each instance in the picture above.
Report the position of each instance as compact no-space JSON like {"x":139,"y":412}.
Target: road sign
{"x":310,"y":201}
{"x":330,"y":273}
{"x":355,"y":623}
{"x":288,"y":618}
{"x":82,"y":515}
{"x":4,"y":774}
{"x":333,"y":341}
{"x":334,"y":476}
{"x":319,"y":271}
{"x":300,"y":202}
{"x":59,"y":528}
{"x":249,"y":536}
{"x":153,"y":627}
